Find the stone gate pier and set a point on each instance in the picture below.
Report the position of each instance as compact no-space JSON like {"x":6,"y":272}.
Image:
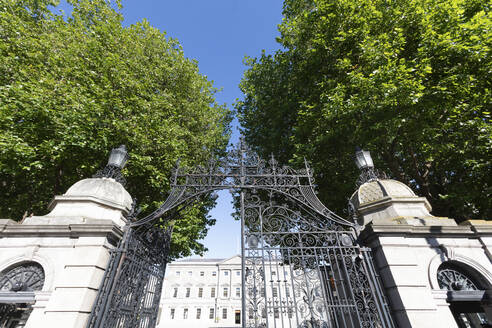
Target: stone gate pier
{"x":51,"y":266}
{"x":436,"y":273}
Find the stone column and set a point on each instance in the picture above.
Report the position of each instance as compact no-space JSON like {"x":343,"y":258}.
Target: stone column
{"x":409,"y":244}
{"x":72,"y":244}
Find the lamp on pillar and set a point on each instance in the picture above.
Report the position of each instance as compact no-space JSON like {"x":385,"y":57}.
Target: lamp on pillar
{"x":364,"y":162}
{"x":118,"y":157}
{"x":363,"y":159}
{"x":116,"y":162}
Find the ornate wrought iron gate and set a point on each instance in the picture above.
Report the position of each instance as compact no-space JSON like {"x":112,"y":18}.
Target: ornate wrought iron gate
{"x":301,"y":265}
{"x":130,"y":292}
{"x":303,"y":270}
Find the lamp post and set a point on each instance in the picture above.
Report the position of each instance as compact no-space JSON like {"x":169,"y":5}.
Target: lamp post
{"x":364,"y":163}
{"x":116,"y":162}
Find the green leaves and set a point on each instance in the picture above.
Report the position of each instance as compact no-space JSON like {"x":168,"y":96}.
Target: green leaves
{"x":409,"y":80}
{"x":70,"y":90}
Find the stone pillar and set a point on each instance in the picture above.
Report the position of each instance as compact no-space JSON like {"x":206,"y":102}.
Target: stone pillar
{"x":403,"y":264}
{"x":409,"y":244}
{"x":72,"y":244}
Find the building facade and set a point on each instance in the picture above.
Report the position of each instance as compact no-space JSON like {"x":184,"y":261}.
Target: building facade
{"x":202,"y":293}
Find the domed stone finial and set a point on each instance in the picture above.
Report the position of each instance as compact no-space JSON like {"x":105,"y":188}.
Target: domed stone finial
{"x":102,"y":197}
{"x":95,"y":198}
{"x":381,"y":200}
{"x":387,"y":201}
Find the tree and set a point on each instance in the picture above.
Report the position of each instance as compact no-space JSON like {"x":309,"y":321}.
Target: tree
{"x":73,"y":88}
{"x":409,"y":80}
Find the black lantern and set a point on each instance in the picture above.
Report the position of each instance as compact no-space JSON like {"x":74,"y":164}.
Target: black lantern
{"x":116,"y":162}
{"x":118,"y":157}
{"x":364,"y":162}
{"x":363,"y":159}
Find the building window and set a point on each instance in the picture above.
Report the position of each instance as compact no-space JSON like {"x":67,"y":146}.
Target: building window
{"x":214,"y":273}
{"x":457,"y":277}
{"x":226,"y":273}
{"x":274,"y":273}
{"x":250,"y":313}
{"x":263,"y":312}
{"x":274,"y":292}
{"x":202,"y":273}
{"x":451,"y":277}
{"x":226,"y":292}
{"x":224,"y":313}
{"x":188,"y":292}
{"x":178,"y":273}
{"x":238,"y":292}
{"x":289,"y":312}
{"x":172,"y":313}
{"x":211,"y":315}
{"x":190,"y":273}
{"x":198,"y":313}
{"x":237,"y":317}
{"x":238,"y":273}
{"x":175,"y":293}
{"x":287,"y":292}
{"x":185,"y":314}
{"x":212,"y":292}
{"x":276,"y":313}
{"x":262,"y":292}
{"x":200,"y":292}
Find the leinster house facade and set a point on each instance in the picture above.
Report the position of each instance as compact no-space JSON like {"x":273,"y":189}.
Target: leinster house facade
{"x":202,"y":293}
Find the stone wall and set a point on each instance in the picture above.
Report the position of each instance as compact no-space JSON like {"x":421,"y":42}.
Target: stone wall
{"x":408,"y":258}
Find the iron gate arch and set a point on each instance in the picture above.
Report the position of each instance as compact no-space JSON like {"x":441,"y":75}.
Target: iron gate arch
{"x":323,"y":278}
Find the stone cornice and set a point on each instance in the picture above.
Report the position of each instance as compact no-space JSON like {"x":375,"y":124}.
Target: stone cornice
{"x":371,"y":232}
{"x":91,"y":199}
{"x":17,"y":297}
{"x":9,"y":228}
{"x":479,"y":226}
{"x":388,"y":201}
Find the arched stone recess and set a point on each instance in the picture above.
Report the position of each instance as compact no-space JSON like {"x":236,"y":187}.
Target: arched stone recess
{"x":45,"y":263}
{"x":451,"y":254}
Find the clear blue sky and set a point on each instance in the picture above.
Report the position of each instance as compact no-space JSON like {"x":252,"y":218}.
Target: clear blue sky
{"x":218,"y":34}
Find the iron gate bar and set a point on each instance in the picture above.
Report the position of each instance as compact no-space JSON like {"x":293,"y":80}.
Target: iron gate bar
{"x":243,"y":263}
{"x":328,"y":279}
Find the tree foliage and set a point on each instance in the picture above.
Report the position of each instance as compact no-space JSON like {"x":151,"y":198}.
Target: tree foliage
{"x":72,"y":88}
{"x":409,"y":80}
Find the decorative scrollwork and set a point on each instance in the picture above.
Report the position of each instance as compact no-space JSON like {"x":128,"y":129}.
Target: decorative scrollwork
{"x":113,"y":172}
{"x":302,"y":263}
{"x":453,"y":279}
{"x":24,"y":277}
{"x":308,"y":265}
{"x":132,"y":284}
{"x":370,"y":174}
{"x":243,"y":169}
